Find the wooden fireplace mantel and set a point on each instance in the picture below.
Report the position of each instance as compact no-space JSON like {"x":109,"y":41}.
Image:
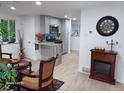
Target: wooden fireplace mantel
{"x":107,"y":57}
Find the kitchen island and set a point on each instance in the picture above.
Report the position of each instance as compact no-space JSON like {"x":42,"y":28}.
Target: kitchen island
{"x":50,"y":49}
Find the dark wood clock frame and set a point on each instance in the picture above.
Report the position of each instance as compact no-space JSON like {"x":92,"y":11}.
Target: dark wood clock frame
{"x":113,"y":19}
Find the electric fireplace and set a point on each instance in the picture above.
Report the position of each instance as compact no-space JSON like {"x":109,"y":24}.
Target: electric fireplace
{"x":103,"y":66}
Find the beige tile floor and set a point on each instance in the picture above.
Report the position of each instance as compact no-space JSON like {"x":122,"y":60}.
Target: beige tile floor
{"x":76,"y":81}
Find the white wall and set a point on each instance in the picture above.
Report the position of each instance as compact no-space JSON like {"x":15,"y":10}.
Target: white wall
{"x":28,"y":27}
{"x":11,"y":48}
{"x":89,"y":19}
{"x":68,"y":33}
{"x":38,"y":25}
{"x":75,"y":43}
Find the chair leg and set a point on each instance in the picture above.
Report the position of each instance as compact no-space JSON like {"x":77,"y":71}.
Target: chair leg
{"x":18,"y":88}
{"x":52,"y":86}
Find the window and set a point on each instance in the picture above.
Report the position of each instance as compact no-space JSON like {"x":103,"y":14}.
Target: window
{"x":12,"y":36}
{"x":7,"y":30}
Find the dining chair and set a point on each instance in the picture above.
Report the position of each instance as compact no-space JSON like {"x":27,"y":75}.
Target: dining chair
{"x":41,"y":79}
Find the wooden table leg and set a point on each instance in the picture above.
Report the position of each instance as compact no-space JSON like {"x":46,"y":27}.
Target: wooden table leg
{"x":30,"y":66}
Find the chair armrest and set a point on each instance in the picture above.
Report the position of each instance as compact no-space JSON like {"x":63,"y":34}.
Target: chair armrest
{"x":9,"y":54}
{"x":28,"y":75}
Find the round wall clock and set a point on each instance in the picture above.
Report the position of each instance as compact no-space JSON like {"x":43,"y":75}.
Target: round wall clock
{"x":107,"y":26}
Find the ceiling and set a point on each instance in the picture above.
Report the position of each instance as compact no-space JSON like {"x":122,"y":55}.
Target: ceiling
{"x":53,"y":8}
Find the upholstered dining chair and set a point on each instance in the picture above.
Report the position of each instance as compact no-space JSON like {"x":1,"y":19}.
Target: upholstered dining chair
{"x":41,"y":79}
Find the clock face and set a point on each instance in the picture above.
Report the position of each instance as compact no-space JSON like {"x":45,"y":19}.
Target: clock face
{"x":107,"y":26}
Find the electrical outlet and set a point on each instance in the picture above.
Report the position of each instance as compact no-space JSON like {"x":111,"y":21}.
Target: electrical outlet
{"x":85,"y":69}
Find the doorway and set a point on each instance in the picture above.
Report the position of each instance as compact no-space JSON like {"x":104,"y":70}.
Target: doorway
{"x":75,"y":36}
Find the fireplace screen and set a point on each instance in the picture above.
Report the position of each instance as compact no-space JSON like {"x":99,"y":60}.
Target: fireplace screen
{"x":102,"y":67}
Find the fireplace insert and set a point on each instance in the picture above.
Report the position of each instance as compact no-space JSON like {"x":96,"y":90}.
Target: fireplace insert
{"x":102,"y":67}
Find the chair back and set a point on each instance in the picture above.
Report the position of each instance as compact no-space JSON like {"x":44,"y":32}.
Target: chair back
{"x":46,"y":70}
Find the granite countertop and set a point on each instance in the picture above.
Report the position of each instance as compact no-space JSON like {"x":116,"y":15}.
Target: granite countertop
{"x":48,"y":43}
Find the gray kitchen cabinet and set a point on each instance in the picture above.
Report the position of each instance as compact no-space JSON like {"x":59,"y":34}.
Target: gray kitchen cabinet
{"x":65,"y":27}
{"x":46,"y":21}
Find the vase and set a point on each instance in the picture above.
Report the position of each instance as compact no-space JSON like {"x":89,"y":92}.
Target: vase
{"x":40,"y":39}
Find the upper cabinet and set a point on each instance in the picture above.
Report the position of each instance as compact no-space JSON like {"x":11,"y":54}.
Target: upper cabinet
{"x":46,"y":21}
{"x":54,"y":21}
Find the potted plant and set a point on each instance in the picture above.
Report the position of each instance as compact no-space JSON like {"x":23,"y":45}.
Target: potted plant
{"x":21,"y":48}
{"x":40,"y":36}
{"x":7,"y":76}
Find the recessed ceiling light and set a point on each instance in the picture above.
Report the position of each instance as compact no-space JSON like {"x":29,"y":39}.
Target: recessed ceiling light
{"x":12,"y":8}
{"x":38,"y":3}
{"x":65,"y":16}
{"x":74,"y":18}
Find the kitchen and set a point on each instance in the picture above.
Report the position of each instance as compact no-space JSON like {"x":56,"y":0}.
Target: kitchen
{"x":56,"y":37}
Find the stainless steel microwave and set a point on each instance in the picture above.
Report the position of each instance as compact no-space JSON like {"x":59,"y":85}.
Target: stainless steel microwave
{"x":53,"y":29}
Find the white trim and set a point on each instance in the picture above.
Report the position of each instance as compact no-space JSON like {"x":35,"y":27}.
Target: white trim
{"x":84,"y":73}
{"x":117,"y":80}
{"x":120,"y":81}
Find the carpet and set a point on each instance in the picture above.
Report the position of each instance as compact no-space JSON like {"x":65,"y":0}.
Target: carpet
{"x":56,"y":85}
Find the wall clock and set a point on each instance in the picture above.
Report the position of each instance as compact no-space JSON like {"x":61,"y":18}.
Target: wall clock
{"x":107,"y":26}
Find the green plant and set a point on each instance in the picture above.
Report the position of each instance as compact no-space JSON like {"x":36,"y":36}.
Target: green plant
{"x":5,"y":33}
{"x":7,"y":76}
{"x":4,"y":30}
{"x":12,"y":30}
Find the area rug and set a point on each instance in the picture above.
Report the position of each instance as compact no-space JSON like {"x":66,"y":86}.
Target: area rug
{"x":56,"y":85}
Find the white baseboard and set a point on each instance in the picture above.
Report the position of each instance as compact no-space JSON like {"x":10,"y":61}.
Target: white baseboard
{"x":74,"y":51}
{"x":84,"y":72}
{"x":117,"y":80}
{"x":120,"y":81}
